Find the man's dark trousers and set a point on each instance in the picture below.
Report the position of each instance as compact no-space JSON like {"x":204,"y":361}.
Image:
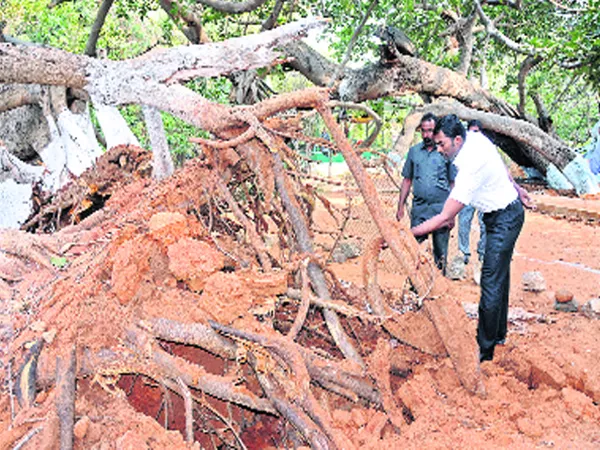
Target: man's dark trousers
{"x":423,"y":211}
{"x":502,"y":228}
{"x":440,"y":247}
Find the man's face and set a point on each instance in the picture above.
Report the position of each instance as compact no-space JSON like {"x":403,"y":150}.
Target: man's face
{"x":474,"y":128}
{"x":448,"y":146}
{"x":427,"y":132}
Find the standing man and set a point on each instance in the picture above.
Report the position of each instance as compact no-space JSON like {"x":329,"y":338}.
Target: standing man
{"x":483,"y":182}
{"x":465,"y":217}
{"x":431,"y":175}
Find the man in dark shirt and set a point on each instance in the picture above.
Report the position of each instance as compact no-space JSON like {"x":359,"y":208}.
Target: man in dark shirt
{"x":430,"y":174}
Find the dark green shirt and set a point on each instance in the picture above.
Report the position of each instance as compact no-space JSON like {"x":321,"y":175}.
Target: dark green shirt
{"x":431,"y":174}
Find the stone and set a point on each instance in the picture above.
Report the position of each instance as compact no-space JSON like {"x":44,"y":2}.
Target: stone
{"x":533,"y":281}
{"x":345,"y":251}
{"x":563,"y":296}
{"x":592,"y":308}
{"x":477,"y":272}
{"x":456,"y":269}
{"x":81,"y":427}
{"x":49,"y":336}
{"x":338,"y":256}
{"x":566,"y":306}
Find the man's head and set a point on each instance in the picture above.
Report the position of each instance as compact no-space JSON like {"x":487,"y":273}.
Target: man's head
{"x":449,"y":135}
{"x":474,"y":125}
{"x":428,"y":122}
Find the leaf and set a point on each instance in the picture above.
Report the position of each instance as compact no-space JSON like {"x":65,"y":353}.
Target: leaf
{"x":58,"y":261}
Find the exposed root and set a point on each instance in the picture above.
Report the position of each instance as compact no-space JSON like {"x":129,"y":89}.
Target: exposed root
{"x":65,"y":398}
{"x":304,"y":305}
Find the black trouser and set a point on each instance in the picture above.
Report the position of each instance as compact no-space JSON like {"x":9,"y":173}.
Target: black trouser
{"x":502,"y":228}
{"x":440,"y":247}
{"x":422,"y":211}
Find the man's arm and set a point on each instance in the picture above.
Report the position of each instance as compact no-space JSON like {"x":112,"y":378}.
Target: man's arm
{"x":404,"y":190}
{"x":443,"y":219}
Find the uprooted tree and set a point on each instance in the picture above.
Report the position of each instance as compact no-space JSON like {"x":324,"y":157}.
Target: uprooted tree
{"x":162,"y":263}
{"x":205,"y":257}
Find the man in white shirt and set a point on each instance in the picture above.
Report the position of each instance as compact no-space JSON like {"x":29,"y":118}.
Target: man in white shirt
{"x":483,"y":182}
{"x":465,"y":217}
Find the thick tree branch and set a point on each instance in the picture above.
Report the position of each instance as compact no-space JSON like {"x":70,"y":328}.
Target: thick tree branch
{"x":567,"y":8}
{"x":149,"y":79}
{"x":272,"y":19}
{"x":310,"y":63}
{"x":162,"y":163}
{"x":535,"y":142}
{"x":544,"y":119}
{"x":465,"y":40}
{"x":529,"y":63}
{"x":187,"y":20}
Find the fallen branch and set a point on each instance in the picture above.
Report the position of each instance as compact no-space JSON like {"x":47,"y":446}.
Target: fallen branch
{"x":314,"y":271}
{"x":339,"y":306}
{"x":65,"y":398}
{"x":19,"y":445}
{"x":279,"y":387}
{"x":369,"y":262}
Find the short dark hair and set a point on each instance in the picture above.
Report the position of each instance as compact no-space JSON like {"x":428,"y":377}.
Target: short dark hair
{"x":474,"y":123}
{"x":429,"y":116}
{"x":451,"y":126}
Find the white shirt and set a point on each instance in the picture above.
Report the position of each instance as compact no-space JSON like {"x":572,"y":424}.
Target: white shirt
{"x":482,"y":179}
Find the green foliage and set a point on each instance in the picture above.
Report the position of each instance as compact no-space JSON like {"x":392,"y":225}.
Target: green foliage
{"x":60,"y":27}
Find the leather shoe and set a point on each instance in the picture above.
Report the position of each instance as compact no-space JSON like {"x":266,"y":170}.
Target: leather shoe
{"x":485,"y":357}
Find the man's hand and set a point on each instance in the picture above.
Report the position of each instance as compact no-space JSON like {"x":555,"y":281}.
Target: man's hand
{"x":400,"y":213}
{"x":450,"y":223}
{"x":526,"y":199}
